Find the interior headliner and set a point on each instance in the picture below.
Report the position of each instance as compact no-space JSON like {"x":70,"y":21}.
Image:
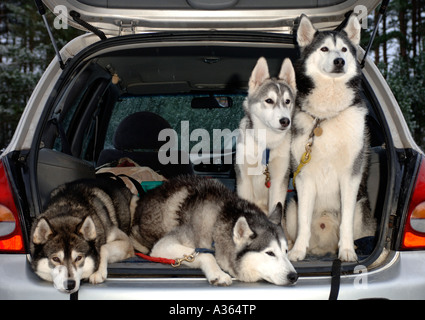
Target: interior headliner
{"x":185,"y":69}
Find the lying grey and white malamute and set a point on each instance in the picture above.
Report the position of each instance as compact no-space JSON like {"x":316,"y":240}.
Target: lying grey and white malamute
{"x":84,"y":227}
{"x":191,"y":212}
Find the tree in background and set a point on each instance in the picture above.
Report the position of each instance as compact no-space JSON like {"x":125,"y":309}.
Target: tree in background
{"x":399,"y":52}
{"x":25,"y":52}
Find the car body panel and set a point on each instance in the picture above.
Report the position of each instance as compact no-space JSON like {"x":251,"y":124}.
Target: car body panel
{"x":126,"y":17}
{"x":401,"y":277}
{"x":18,"y":281}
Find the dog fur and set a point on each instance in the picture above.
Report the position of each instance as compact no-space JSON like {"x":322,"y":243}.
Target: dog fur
{"x":84,"y":227}
{"x":191,"y":212}
{"x":332,"y":208}
{"x":266,"y":125}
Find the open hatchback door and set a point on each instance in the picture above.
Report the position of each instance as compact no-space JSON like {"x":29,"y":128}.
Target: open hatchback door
{"x":115,"y":17}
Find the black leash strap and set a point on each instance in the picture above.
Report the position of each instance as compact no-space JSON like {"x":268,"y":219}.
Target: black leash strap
{"x":120,"y":176}
{"x":336,"y":279}
{"x":73,"y":296}
{"x":135,"y":183}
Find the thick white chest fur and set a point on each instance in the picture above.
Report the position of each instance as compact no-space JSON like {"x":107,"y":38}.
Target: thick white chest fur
{"x":250,"y":150}
{"x":329,"y":97}
{"x":327,"y":183}
{"x":333,"y":153}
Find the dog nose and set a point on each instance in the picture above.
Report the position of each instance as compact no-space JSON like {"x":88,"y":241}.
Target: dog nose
{"x":293,"y":277}
{"x":70,"y":285}
{"x":339,"y":62}
{"x":284,"y":122}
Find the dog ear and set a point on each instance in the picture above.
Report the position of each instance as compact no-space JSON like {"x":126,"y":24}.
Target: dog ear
{"x":305,"y":32}
{"x":88,"y":229}
{"x":353,"y":30}
{"x":287,"y":74}
{"x":42,"y":232}
{"x":241,"y":232}
{"x":276,"y":215}
{"x":259,"y":74}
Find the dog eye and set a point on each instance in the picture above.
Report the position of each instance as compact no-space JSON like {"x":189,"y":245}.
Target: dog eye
{"x":269,"y":101}
{"x":344,"y":49}
{"x":287,"y":101}
{"x":56,"y":259}
{"x":270,"y":253}
{"x":78,"y":258}
{"x":324,"y":49}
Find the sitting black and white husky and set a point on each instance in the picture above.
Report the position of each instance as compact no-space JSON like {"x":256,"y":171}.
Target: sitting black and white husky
{"x":330,"y":146}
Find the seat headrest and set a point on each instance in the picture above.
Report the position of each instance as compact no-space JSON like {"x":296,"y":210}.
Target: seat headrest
{"x":140,"y":131}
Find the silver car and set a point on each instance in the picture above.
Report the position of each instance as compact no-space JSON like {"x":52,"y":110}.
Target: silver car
{"x":189,"y":63}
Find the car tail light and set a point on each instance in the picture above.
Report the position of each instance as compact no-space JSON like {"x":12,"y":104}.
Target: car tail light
{"x":11,"y":240}
{"x":414,"y":229}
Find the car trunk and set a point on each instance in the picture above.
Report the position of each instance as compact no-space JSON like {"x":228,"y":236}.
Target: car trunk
{"x":113,"y":74}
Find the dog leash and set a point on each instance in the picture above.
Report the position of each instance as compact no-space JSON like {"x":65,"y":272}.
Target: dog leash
{"x":265,"y":161}
{"x":177,"y":261}
{"x":306,"y":157}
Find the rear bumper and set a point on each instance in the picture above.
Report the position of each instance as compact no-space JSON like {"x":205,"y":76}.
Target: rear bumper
{"x":402,"y":277}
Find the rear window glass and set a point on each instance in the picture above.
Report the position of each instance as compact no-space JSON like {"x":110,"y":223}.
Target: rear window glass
{"x":192,"y":125}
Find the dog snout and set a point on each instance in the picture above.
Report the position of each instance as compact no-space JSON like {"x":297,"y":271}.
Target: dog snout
{"x":70,"y":284}
{"x":339,"y":62}
{"x":292,"y":277}
{"x":284,"y":122}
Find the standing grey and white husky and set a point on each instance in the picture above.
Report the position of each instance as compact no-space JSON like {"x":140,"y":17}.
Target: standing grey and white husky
{"x":331,"y":139}
{"x":84,"y":227}
{"x":190,"y":212}
{"x":262,"y":151}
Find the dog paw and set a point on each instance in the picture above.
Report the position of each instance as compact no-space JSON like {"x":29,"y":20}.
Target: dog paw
{"x":347,"y":255}
{"x":222,"y":279}
{"x":98,"y":277}
{"x":296,"y":255}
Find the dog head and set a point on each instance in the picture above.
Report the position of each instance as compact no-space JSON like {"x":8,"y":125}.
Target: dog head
{"x":271,"y":101}
{"x":63,"y":251}
{"x":330,"y":53}
{"x":262,"y":250}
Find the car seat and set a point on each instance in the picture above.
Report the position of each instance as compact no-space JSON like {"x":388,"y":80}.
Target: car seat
{"x":136,"y":137}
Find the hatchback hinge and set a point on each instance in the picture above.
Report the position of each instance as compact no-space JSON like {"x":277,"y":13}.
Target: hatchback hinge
{"x":127,"y":27}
